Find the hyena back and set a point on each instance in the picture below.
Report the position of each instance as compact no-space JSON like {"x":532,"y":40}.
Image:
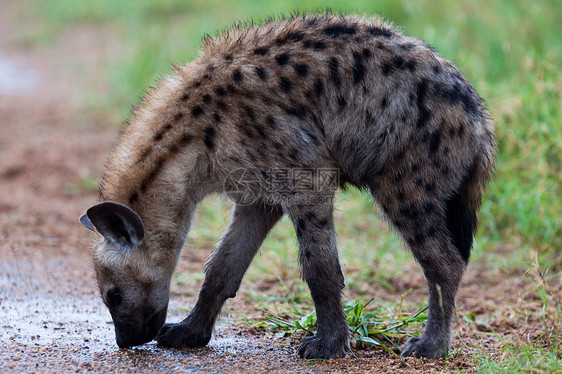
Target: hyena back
{"x":313,"y":93}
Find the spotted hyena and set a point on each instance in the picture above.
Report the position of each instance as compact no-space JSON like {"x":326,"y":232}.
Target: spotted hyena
{"x":334,"y":98}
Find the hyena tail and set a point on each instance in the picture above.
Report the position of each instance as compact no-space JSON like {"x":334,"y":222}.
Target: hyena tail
{"x":462,"y":206}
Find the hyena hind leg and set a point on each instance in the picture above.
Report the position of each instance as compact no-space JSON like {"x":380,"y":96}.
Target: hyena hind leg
{"x":423,"y":225}
{"x":225,"y":268}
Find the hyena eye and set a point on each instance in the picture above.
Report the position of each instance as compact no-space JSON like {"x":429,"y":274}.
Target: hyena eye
{"x":113,"y":297}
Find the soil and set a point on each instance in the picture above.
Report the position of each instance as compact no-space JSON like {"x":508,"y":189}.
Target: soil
{"x":52,"y":319}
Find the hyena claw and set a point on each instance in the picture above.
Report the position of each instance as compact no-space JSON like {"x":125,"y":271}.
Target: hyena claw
{"x":318,"y":347}
{"x":420,"y":346}
{"x":180,"y":335}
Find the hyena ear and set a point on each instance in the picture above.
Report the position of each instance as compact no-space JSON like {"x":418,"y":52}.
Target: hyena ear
{"x":115,"y":222}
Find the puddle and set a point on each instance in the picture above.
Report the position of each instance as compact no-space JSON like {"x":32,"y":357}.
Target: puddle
{"x":15,"y":80}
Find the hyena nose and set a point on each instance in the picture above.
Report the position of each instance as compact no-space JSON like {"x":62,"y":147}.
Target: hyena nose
{"x":121,"y":341}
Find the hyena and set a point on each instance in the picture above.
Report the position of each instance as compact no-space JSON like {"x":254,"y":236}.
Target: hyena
{"x":313,"y":92}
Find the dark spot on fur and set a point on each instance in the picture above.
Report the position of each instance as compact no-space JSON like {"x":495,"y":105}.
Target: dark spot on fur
{"x":220,"y":91}
{"x":197,"y":85}
{"x":410,"y":211}
{"x":406,"y":46}
{"x":261,"y":132}
{"x":429,"y":208}
{"x":341,"y":102}
{"x":430,"y":187}
{"x":367,"y":53}
{"x":185,"y":139}
{"x":217,"y":118}
{"x":431,"y":231}
{"x":262,"y":51}
{"x":436,"y":68}
{"x":209,"y":137}
{"x":418,"y":182}
{"x":221,"y":105}
{"x":400,"y":155}
{"x":319,"y":87}
{"x":197,"y":111}
{"x":158,"y":136}
{"x":270,"y":120}
{"x":295,"y":36}
{"x":134,"y":197}
{"x":333,"y":65}
{"x":302,"y":70}
{"x":249,"y":132}
{"x":400,"y":195}
{"x":457,"y":93}
{"x":294,"y":154}
{"x":178,"y":116}
{"x":398,"y":62}
{"x":207,"y":98}
{"x":434,"y":141}
{"x":228,"y":57}
{"x":285,"y":84}
{"x":386,"y":68}
{"x":384,"y":102}
{"x":184,"y":97}
{"x":297,"y":110}
{"x":261,"y":73}
{"x":249,"y":112}
{"x":237,"y":75}
{"x":338,"y":30}
{"x":368,"y":118}
{"x":417,"y":240}
{"x":423,"y":113}
{"x":410,"y":65}
{"x":377,"y":31}
{"x":358,"y":67}
{"x":319,"y":45}
{"x":282,"y":59}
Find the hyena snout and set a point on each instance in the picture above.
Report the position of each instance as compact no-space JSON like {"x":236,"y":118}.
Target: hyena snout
{"x":128,"y":334}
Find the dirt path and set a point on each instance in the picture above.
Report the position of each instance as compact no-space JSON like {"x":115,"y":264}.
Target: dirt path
{"x":51,"y":318}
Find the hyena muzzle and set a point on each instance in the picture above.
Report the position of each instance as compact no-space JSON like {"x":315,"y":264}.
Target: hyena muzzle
{"x":293,"y":101}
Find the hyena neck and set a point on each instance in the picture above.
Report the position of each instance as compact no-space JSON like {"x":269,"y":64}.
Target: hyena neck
{"x":160,"y":168}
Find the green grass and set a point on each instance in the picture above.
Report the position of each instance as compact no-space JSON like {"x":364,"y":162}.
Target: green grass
{"x":511,"y":51}
{"x":378,"y":328}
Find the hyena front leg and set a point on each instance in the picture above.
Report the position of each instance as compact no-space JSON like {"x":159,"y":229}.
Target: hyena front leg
{"x":320,"y":268}
{"x":223,"y":273}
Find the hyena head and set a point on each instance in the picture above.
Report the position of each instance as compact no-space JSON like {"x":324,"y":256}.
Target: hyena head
{"x":135,"y":290}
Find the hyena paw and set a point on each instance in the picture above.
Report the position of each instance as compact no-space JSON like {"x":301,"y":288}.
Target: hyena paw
{"x":322,"y":347}
{"x":424,"y":347}
{"x":180,"y":335}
